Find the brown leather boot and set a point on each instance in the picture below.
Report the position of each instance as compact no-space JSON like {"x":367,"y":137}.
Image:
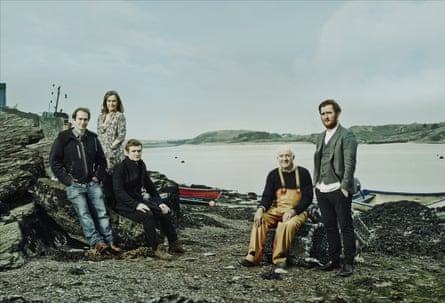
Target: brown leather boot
{"x":114,"y":249}
{"x":162,"y":254}
{"x":175,"y":247}
{"x":102,"y":248}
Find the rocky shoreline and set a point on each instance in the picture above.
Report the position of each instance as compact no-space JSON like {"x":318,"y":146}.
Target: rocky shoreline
{"x":35,"y":216}
{"x":209,"y":272}
{"x":44,"y":258}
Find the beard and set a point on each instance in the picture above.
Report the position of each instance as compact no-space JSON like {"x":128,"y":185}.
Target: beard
{"x":331,"y":123}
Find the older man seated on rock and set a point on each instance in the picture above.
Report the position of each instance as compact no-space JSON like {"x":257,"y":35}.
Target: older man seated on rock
{"x":287,"y":194}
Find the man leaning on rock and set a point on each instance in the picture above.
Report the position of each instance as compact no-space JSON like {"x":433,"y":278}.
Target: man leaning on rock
{"x":78,"y":161}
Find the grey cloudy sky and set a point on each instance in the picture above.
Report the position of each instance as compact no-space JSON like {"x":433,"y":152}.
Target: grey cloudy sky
{"x":186,"y":67}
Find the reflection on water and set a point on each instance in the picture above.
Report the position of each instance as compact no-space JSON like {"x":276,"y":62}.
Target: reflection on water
{"x":243,"y":167}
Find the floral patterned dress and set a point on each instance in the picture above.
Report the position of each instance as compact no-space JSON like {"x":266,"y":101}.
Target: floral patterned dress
{"x":108,"y":132}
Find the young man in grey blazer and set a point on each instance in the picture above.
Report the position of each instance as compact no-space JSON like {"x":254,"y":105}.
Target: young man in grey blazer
{"x":334,"y":166}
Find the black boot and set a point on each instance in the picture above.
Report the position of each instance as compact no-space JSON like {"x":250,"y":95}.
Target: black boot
{"x":346,"y":270}
{"x":329,"y":266}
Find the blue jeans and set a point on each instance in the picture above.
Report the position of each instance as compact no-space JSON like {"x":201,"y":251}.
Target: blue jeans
{"x":88,"y":202}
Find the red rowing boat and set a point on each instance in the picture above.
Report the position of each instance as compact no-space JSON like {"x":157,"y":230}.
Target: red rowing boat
{"x":199,"y":193}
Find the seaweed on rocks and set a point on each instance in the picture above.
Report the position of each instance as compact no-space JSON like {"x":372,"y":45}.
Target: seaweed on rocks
{"x":405,"y":228}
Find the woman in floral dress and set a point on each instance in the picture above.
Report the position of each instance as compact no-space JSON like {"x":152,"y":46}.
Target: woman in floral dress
{"x":111,"y":130}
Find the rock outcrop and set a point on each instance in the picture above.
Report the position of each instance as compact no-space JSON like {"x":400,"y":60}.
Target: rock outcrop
{"x":50,"y":196}
{"x":19,"y":165}
{"x":35,"y":215}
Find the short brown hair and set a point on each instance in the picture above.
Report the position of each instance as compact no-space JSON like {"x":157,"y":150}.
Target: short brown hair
{"x":132,"y":142}
{"x":81,"y":109}
{"x":334,"y":104}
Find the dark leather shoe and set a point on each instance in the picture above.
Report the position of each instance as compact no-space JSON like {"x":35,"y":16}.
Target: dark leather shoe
{"x":114,"y":249}
{"x":329,"y":266}
{"x":282,"y":265}
{"x":175,"y":247}
{"x":246,"y":263}
{"x":346,"y":270}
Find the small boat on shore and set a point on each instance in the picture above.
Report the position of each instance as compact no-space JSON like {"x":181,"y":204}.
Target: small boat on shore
{"x":366,"y":198}
{"x":198,"y":195}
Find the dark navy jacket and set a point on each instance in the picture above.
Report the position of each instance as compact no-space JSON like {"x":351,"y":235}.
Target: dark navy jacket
{"x":129,"y":179}
{"x":71,"y":158}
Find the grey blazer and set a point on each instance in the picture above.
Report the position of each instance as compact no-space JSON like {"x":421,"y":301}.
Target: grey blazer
{"x":343,"y":160}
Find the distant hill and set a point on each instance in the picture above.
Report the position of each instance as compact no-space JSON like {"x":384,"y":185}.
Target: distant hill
{"x":415,"y":132}
{"x":235,"y":136}
{"x":392,"y":133}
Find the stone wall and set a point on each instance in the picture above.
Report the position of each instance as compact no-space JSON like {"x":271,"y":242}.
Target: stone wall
{"x":50,"y":126}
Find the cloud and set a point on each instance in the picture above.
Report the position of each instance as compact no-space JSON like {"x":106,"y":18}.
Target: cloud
{"x":185,"y":67}
{"x":394,"y":33}
{"x":380,"y":55}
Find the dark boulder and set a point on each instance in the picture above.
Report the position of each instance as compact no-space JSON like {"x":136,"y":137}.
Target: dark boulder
{"x":11,"y":254}
{"x":50,"y":195}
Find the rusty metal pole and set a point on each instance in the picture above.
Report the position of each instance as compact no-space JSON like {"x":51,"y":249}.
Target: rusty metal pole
{"x":57,"y":99}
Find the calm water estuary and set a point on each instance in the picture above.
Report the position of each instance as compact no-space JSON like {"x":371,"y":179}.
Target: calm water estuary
{"x":243,"y":167}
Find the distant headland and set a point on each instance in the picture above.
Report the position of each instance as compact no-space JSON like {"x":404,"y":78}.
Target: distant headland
{"x":431,"y":133}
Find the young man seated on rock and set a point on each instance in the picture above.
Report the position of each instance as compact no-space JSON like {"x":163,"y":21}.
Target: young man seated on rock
{"x":130,"y":179}
{"x":287,"y":194}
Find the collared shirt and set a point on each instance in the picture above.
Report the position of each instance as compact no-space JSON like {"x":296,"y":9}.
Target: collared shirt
{"x":77,"y":134}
